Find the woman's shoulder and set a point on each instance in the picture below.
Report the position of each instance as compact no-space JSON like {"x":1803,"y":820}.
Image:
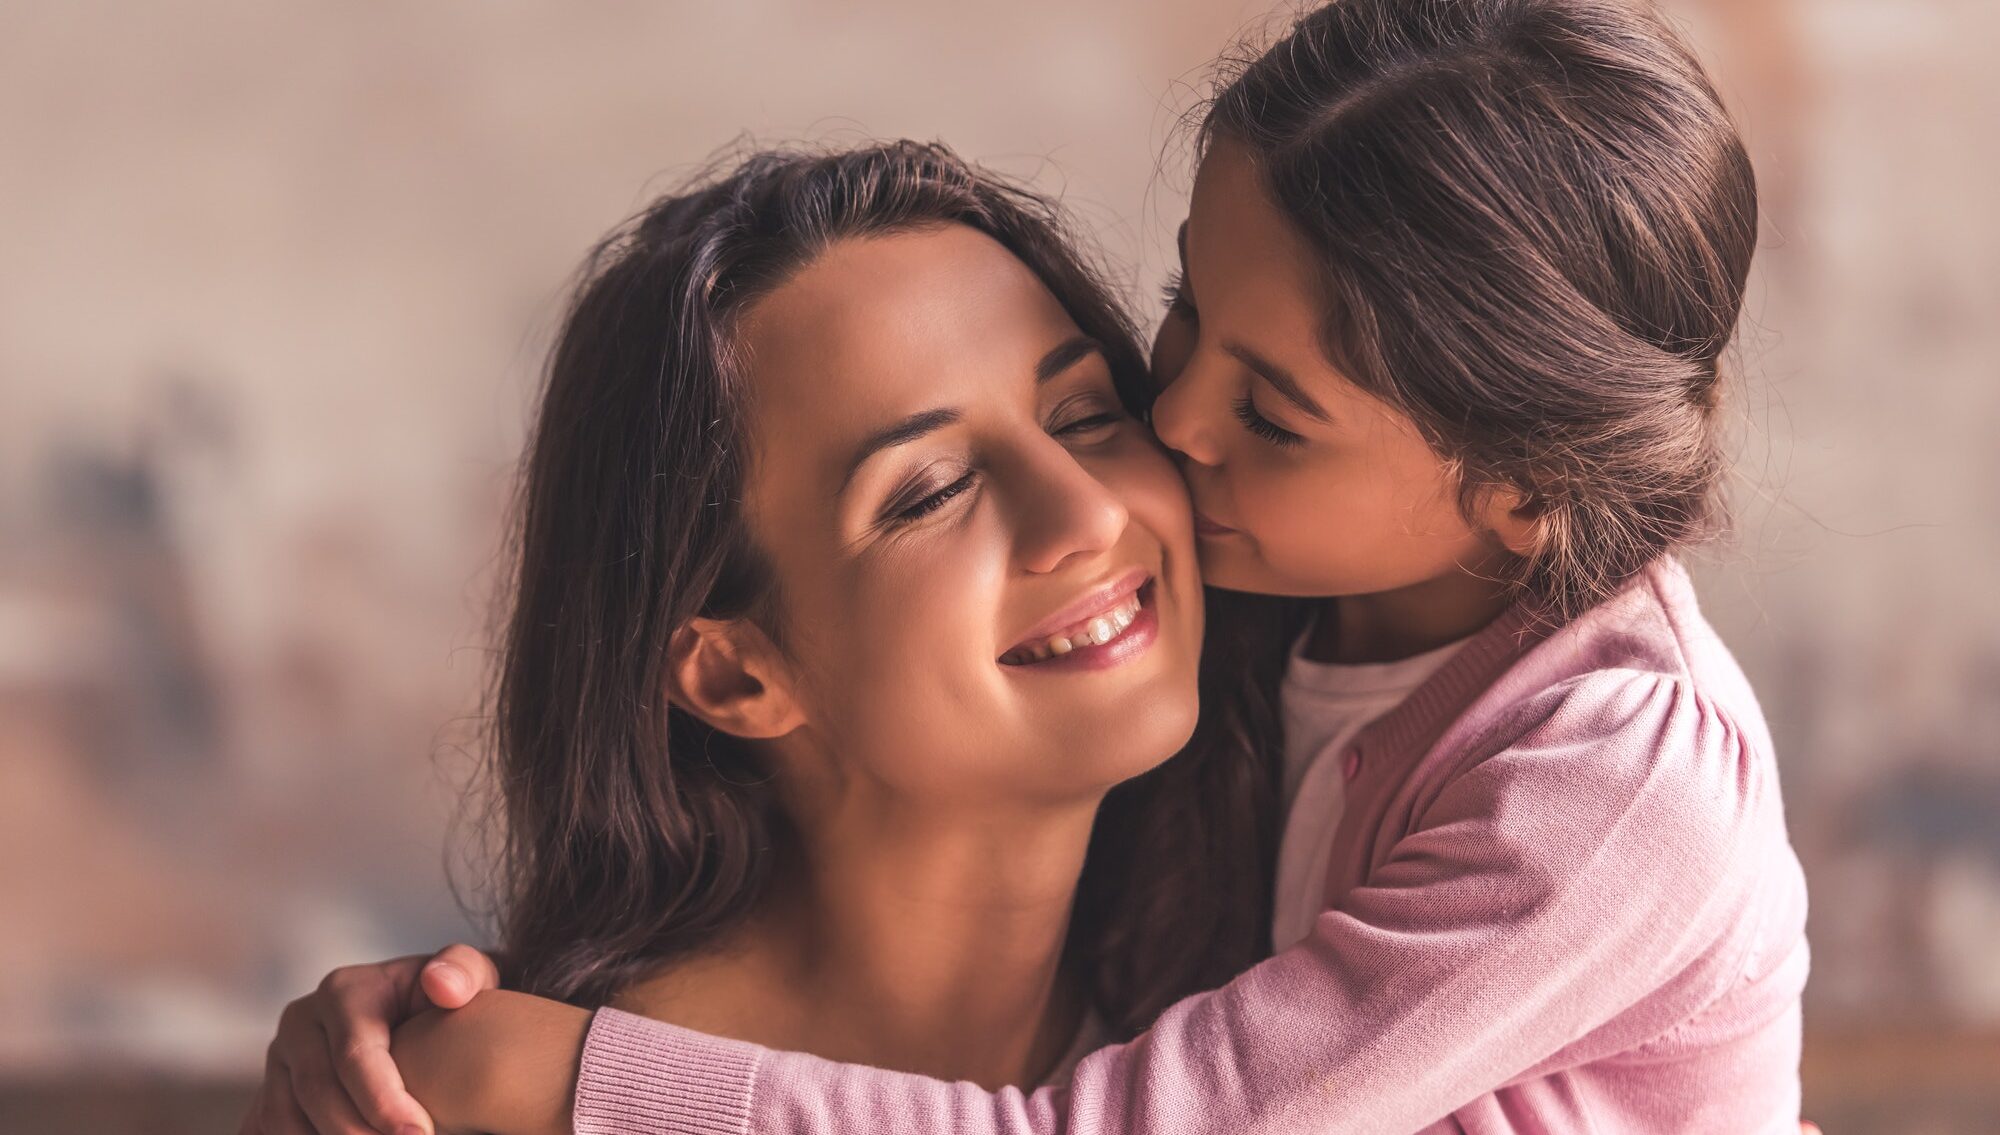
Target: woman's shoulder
{"x":732,"y":992}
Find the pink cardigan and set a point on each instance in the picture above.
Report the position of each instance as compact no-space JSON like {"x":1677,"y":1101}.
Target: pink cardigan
{"x":1562,"y":900}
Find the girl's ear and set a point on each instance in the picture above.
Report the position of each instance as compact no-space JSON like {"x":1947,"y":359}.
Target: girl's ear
{"x":728,"y":673}
{"x":1514,"y":518}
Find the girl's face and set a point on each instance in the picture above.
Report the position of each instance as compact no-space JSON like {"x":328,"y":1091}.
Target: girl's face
{"x":985,"y":574}
{"x":1303,"y":483}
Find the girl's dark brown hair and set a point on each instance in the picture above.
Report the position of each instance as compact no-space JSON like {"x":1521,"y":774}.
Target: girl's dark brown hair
{"x":634,"y":833}
{"x":1535,"y":220}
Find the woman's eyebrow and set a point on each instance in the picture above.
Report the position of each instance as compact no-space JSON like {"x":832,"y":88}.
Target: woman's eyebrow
{"x":900,"y":433}
{"x":1066,"y":355}
{"x":1059,"y":359}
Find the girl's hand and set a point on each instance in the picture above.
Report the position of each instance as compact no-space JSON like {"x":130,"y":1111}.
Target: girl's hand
{"x":506,"y":1063}
{"x":329,"y":1071}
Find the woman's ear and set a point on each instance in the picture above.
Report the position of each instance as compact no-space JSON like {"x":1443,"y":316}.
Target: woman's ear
{"x":728,"y":673}
{"x":1514,"y":518}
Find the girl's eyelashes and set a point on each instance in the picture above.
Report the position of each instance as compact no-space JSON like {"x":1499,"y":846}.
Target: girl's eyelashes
{"x":1178,"y":304}
{"x":923,"y":507}
{"x":1263,"y":427}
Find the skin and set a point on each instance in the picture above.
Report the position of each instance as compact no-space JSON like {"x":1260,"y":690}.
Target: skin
{"x":942,"y":800}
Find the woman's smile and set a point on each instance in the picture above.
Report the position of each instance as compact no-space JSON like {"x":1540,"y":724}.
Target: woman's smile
{"x":1108,"y":627}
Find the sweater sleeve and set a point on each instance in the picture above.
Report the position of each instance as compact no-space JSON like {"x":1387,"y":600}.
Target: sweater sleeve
{"x":1555,"y":891}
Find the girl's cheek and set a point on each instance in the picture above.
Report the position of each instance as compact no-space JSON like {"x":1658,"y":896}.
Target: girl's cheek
{"x":1171,"y":348}
{"x":1158,"y":494}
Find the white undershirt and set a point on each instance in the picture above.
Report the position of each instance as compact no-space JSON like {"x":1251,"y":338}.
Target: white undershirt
{"x":1324,"y":705}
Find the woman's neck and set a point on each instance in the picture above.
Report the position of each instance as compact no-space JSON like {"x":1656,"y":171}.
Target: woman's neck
{"x":914,"y":938}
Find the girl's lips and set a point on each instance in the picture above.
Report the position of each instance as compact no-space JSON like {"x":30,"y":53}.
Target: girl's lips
{"x":1203,"y":526}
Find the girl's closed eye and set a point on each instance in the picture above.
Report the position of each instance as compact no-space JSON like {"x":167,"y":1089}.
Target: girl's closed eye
{"x":1263,"y":427}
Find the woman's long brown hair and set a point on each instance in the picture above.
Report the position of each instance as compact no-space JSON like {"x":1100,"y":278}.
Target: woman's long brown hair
{"x":634,"y":833}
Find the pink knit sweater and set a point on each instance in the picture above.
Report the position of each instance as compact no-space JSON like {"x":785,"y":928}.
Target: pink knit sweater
{"x":1562,"y":900}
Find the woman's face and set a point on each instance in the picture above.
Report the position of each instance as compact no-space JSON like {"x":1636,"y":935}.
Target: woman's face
{"x":984,"y":567}
{"x":1303,"y":483}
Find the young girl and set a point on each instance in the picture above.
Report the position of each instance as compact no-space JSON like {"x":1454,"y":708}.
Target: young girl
{"x":1444,"y":359}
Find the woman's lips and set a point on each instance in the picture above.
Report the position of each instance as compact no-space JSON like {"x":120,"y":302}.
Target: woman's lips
{"x":1098,"y":600}
{"x":1109,"y":640}
{"x":1203,"y":526}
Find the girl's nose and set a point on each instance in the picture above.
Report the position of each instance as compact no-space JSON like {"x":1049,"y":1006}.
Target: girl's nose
{"x":1181,"y":423}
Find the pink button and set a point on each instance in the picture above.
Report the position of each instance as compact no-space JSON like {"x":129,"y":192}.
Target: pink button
{"x":1352,"y":767}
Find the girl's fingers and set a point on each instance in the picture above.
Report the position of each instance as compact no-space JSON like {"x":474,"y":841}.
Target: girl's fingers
{"x":250,"y":1125}
{"x":451,"y":978}
{"x":277,"y":1113}
{"x":362,"y":1004}
{"x":324,"y":1103}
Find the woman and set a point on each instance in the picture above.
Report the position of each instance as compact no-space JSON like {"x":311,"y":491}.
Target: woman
{"x":849,"y":586}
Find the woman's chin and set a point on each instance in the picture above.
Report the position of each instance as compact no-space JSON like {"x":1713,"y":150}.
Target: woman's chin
{"x":1149,"y":729}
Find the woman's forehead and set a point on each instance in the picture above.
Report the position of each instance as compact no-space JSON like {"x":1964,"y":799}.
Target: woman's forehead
{"x":876,"y":325}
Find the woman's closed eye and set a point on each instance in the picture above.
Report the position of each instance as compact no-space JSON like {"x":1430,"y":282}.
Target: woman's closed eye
{"x":1086,"y":417}
{"x":1082,"y":418}
{"x":903,"y":510}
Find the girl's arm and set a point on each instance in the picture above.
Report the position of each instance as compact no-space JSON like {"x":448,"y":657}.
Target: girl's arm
{"x":505,"y":1062}
{"x":1554,"y":897}
{"x":329,"y":1070}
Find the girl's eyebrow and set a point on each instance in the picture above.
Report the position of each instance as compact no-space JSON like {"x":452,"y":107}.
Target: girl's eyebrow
{"x":1280,"y":379}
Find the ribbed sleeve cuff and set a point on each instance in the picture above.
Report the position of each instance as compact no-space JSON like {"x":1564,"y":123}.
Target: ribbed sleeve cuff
{"x":645,"y":1077}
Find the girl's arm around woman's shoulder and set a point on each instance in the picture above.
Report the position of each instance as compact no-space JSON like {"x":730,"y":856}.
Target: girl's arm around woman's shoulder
{"x":505,"y":1062}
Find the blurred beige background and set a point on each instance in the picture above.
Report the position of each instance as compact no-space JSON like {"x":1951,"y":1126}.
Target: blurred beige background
{"x":274,"y":282}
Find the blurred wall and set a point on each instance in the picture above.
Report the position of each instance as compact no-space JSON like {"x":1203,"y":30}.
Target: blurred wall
{"x":274,"y":283}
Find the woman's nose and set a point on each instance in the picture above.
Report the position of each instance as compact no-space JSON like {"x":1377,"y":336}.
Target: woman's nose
{"x":1068,"y":513}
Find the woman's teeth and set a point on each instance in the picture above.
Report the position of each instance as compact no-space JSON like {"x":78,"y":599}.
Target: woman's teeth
{"x":1093,"y":632}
